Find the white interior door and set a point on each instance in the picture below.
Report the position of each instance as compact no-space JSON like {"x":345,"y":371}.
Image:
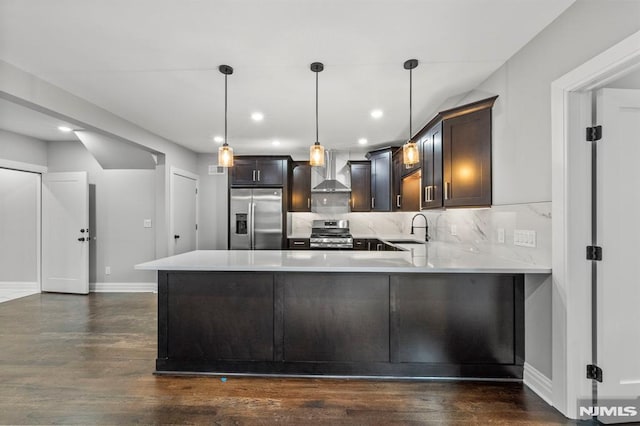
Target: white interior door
{"x":618,"y":233}
{"x":184,"y":209}
{"x":65,"y":232}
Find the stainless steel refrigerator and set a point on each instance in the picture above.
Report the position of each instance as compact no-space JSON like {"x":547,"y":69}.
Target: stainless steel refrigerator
{"x":255,"y":219}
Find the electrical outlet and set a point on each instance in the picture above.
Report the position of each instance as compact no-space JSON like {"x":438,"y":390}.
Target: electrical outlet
{"x":501,"y":235}
{"x":147,"y":223}
{"x":524,"y":238}
{"x":454,"y":230}
{"x":107,"y":270}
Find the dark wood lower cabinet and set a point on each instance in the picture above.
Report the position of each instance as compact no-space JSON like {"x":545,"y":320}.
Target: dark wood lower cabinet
{"x":363,"y":324}
{"x":335,"y":317}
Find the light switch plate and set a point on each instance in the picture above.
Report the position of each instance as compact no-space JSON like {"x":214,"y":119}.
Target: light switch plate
{"x":501,"y":235}
{"x":107,"y":270}
{"x":454,"y":230}
{"x":147,"y":223}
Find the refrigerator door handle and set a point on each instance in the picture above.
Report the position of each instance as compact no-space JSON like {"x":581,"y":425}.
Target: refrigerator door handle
{"x":252,"y":207}
{"x":250,"y":225}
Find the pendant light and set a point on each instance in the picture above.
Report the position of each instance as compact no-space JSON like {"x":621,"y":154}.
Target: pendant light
{"x":410,"y":153}
{"x":225,"y":152}
{"x":316,"y":152}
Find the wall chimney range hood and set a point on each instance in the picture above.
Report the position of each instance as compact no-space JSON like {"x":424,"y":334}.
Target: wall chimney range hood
{"x":330,"y":183}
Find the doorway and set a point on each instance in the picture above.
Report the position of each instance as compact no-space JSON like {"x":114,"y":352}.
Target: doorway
{"x":183,"y":235}
{"x":19,"y":233}
{"x":591,"y":330}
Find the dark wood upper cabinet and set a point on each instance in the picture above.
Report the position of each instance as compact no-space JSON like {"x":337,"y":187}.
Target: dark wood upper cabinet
{"x":456,"y":157}
{"x":381,"y":179}
{"x":396,"y":180}
{"x":360,"y":186}
{"x":467,"y":159}
{"x":258,"y":171}
{"x":431,"y":186}
{"x":300,"y":187}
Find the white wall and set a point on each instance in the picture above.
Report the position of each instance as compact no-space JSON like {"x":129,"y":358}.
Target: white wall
{"x":212,"y":226}
{"x":522,"y":112}
{"x":120,"y":200}
{"x":23,"y":149}
{"x":19,"y":204}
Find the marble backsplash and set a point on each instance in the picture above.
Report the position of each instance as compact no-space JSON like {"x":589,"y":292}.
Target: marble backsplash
{"x":474,"y":230}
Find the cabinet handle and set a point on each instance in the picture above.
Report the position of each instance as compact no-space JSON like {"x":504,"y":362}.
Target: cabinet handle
{"x":308,"y":203}
{"x":253,"y":177}
{"x":426,"y":194}
{"x":431,"y":192}
{"x":369,"y":245}
{"x":447,"y":190}
{"x":398,"y":200}
{"x":298,"y":243}
{"x":373,"y":203}
{"x":379,"y":247}
{"x":258,"y":175}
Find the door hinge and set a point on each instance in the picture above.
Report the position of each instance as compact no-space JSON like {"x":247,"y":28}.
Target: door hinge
{"x":594,"y":133}
{"x":196,"y":226}
{"x":594,"y":372}
{"x":594,"y":253}
{"x":196,"y":190}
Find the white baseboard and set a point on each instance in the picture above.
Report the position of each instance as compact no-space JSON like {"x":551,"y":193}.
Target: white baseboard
{"x":123,"y":287}
{"x":20,"y":286}
{"x":539,"y":383}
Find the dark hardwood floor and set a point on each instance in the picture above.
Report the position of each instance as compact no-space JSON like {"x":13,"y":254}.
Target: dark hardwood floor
{"x":89,"y":360}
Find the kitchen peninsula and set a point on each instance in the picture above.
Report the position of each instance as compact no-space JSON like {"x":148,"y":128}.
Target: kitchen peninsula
{"x":433,"y":310}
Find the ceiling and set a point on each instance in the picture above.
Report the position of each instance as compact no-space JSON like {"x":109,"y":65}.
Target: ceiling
{"x":154,"y":62}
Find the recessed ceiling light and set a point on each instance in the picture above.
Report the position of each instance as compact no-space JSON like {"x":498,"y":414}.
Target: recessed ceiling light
{"x":377,"y":113}
{"x":275,"y":143}
{"x":362,"y":141}
{"x":257,"y":116}
{"x":218,"y":139}
{"x":65,"y":129}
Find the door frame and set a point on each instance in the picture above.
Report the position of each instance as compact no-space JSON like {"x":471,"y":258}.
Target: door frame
{"x":571,"y":113}
{"x":37,"y":170}
{"x":176,"y":171}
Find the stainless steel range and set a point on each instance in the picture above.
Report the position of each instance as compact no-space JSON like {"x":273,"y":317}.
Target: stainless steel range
{"x":329,"y":234}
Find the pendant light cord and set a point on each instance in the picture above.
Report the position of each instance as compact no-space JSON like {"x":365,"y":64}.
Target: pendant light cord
{"x":225,"y":109}
{"x":410,"y":101}
{"x":317,"y":141}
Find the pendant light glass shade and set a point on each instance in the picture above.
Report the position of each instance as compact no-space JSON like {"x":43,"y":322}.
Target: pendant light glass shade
{"x":316,"y":152}
{"x":225,"y":152}
{"x":410,"y":152}
{"x":316,"y":155}
{"x":225,"y":156}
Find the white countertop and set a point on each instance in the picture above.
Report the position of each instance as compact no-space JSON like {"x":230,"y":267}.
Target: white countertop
{"x":420,"y":258}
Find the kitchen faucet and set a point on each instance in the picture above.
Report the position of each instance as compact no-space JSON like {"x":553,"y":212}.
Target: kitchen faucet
{"x":426,"y":226}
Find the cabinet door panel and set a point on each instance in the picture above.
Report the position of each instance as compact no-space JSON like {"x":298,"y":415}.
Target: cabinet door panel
{"x":225,"y":316}
{"x":243,"y":172}
{"x":301,"y":187}
{"x":457,"y":319}
{"x":432,"y":168}
{"x":270,"y":172}
{"x":336,"y":317}
{"x":360,"y":186}
{"x":467,"y":155}
{"x":381,"y":181}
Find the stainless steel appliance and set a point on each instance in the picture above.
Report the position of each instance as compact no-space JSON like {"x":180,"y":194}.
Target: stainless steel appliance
{"x":328,"y":234}
{"x":255,"y":219}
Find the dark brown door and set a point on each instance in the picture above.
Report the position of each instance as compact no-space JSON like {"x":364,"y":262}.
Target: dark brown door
{"x":431,"y":194}
{"x":381,"y":181}
{"x":360,"y":186}
{"x":301,"y":187}
{"x":270,"y":172}
{"x":243,"y":172}
{"x":467,"y":160}
{"x":396,"y":180}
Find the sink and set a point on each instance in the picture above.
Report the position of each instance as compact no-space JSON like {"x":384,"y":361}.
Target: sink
{"x":405,"y":241}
